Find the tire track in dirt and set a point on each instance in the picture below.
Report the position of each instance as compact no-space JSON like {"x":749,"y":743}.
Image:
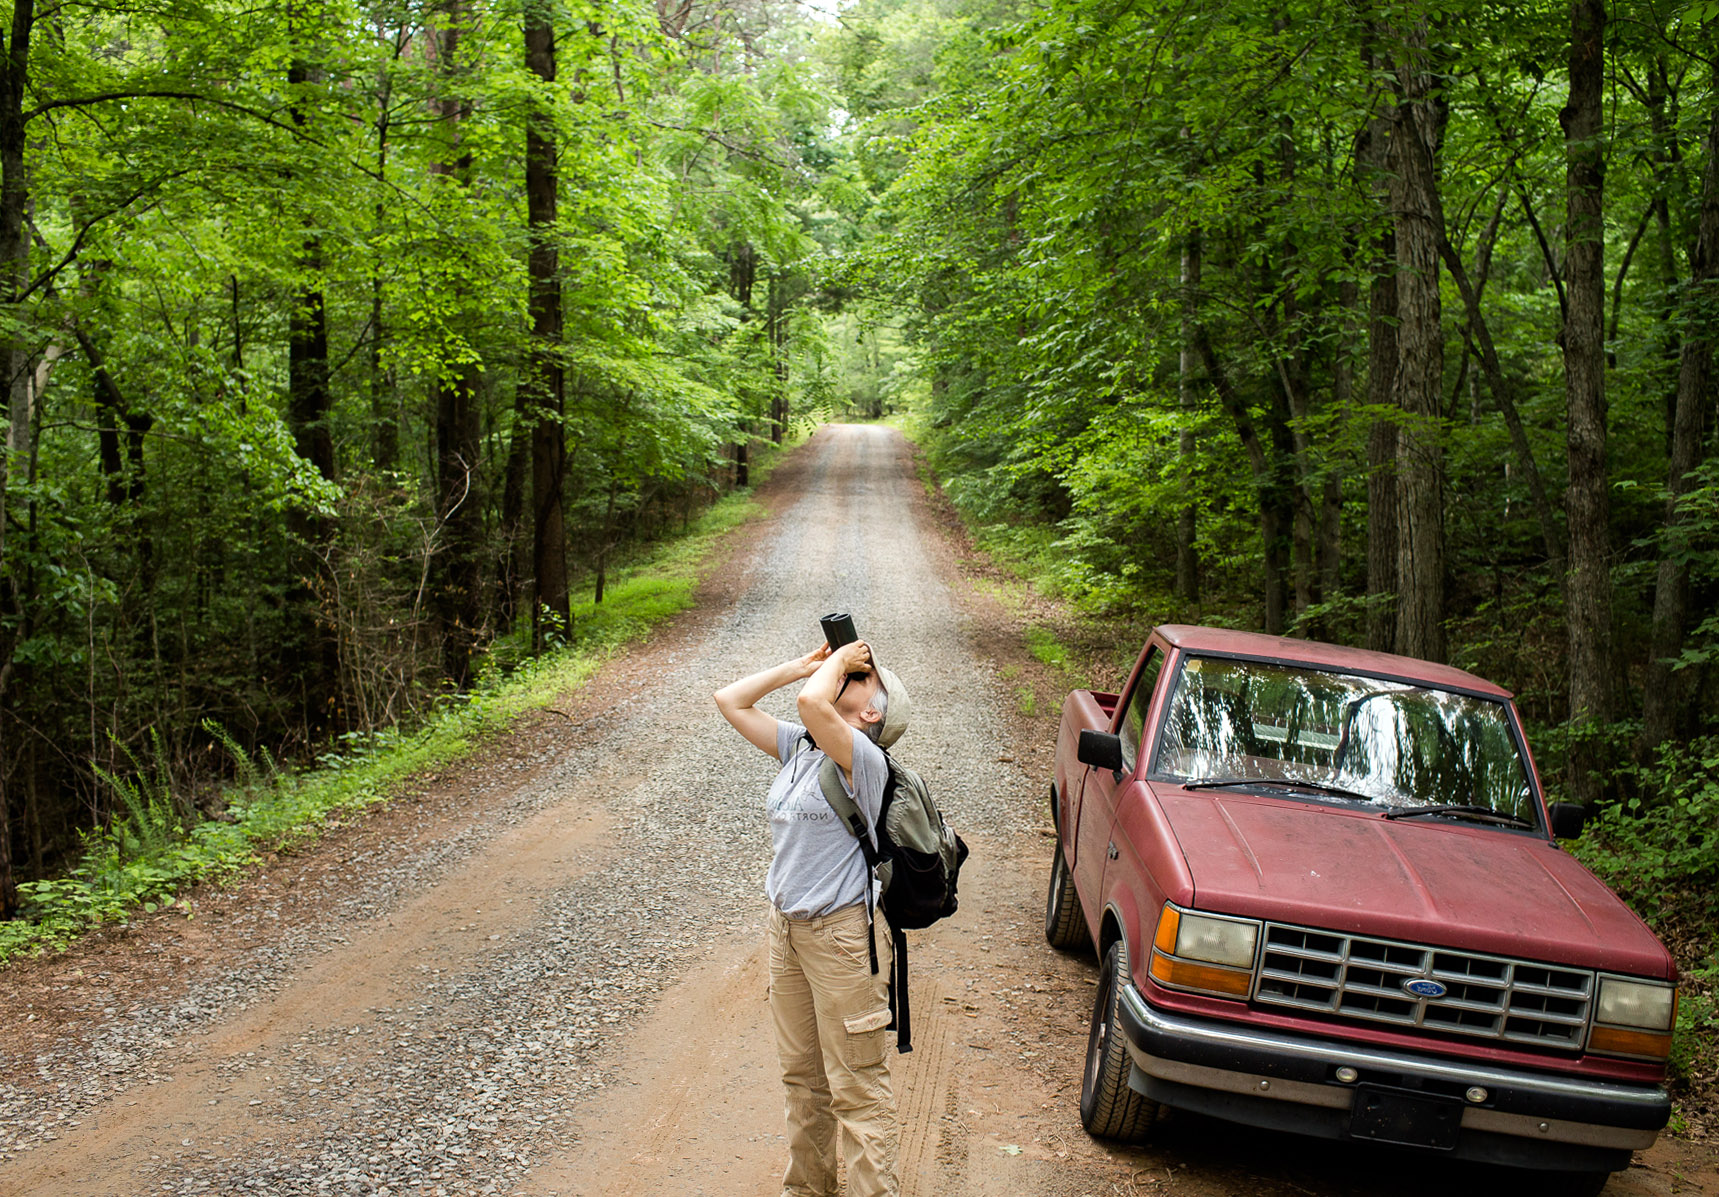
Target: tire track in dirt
{"x":698,"y":1111}
{"x":927,"y":1084}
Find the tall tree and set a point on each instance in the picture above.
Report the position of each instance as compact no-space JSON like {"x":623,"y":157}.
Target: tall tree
{"x":544,"y":384}
{"x":309,"y":402}
{"x":1587,"y":502}
{"x":1372,"y":160}
{"x":1187,"y":438}
{"x":1416,"y":208}
{"x":459,"y":449}
{"x":15,"y":356}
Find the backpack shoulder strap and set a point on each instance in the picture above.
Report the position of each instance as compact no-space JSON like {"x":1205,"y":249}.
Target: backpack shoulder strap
{"x":836,"y":794}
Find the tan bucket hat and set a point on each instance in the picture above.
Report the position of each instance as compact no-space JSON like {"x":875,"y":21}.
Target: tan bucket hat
{"x":896,"y":711}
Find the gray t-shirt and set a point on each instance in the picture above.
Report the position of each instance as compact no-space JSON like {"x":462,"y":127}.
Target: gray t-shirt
{"x":818,"y":866}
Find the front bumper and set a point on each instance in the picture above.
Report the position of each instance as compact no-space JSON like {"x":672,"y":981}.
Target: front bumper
{"x":1287,"y":1081}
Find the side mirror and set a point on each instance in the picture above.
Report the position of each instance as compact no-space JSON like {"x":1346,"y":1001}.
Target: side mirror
{"x":1568,"y":819}
{"x":1101,"y":750}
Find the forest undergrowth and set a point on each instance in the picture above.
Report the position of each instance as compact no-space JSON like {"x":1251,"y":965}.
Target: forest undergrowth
{"x":157,"y":846}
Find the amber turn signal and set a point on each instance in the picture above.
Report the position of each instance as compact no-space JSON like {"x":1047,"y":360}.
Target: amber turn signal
{"x":1168,"y":922}
{"x":1209,"y":978}
{"x":1618,"y":1041}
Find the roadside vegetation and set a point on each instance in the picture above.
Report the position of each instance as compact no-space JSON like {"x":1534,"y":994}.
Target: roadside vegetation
{"x":160,"y":841}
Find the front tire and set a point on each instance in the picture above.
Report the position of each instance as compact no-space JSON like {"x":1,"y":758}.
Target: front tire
{"x":1109,"y":1109}
{"x":1065,"y":923}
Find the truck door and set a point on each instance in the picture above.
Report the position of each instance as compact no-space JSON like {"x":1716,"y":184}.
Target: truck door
{"x":1097,"y":813}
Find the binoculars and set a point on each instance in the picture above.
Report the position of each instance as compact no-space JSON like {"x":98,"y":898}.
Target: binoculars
{"x":839,"y":630}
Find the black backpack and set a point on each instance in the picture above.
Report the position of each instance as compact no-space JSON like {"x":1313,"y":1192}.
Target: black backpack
{"x":917,"y":860}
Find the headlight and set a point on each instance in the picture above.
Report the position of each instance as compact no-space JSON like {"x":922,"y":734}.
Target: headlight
{"x":1219,"y":941}
{"x":1204,"y":953}
{"x":1633,"y":1018}
{"x":1635,"y":1004}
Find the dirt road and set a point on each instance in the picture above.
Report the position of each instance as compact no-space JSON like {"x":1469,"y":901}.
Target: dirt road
{"x":541,"y":973}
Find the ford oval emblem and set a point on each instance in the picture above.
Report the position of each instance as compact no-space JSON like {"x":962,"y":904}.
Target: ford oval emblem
{"x":1421,"y":987}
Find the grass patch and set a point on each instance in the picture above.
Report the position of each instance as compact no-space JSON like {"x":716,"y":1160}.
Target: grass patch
{"x":1044,"y":645}
{"x":152,"y":851}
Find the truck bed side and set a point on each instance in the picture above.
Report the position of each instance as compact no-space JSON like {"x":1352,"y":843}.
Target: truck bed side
{"x":1081,"y":710}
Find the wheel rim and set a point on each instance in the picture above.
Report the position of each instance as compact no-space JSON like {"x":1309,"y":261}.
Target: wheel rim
{"x":1100,"y":1033}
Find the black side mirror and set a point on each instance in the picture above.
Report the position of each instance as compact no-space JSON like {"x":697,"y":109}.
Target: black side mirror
{"x":1568,"y":819}
{"x":1101,"y":750}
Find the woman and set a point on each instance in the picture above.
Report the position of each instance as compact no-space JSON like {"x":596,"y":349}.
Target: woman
{"x":830,"y":1010}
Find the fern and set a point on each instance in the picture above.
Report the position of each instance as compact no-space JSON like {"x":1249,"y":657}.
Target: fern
{"x":147,"y":819}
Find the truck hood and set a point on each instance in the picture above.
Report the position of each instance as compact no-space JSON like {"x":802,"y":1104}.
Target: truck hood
{"x":1422,"y":880}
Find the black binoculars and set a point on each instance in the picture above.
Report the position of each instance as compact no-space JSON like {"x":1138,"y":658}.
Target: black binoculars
{"x":839,"y":629}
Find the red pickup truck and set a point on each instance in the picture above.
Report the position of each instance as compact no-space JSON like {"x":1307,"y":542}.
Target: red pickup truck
{"x":1325,"y":890}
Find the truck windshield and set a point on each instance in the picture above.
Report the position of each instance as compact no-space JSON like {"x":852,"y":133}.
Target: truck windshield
{"x":1396,"y":745}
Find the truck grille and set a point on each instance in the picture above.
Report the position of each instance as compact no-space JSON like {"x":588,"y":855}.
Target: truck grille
{"x":1489,"y":997}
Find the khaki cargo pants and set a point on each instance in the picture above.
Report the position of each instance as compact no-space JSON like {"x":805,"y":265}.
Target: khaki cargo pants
{"x":830,"y":1015}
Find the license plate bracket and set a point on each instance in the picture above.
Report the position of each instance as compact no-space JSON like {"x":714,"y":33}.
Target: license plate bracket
{"x":1410,"y":1119}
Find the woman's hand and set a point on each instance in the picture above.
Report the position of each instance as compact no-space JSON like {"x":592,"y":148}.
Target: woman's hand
{"x":738,"y":700}
{"x":852,"y":658}
{"x":807,"y":665}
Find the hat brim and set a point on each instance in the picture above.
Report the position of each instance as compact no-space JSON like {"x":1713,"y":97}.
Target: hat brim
{"x":896,"y":710}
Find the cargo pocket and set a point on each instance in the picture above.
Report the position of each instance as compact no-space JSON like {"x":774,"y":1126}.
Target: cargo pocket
{"x":866,"y":1034}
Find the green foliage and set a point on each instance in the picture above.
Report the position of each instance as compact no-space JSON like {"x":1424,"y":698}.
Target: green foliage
{"x":1660,"y":849}
{"x":147,"y":820}
{"x":1045,"y":646}
{"x":198,"y":182}
{"x":150,"y":854}
{"x":1695,"y":1049}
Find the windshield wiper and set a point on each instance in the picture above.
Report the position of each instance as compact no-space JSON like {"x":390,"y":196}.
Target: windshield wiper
{"x":1273,"y":783}
{"x":1321,"y":787}
{"x":1480,"y":814}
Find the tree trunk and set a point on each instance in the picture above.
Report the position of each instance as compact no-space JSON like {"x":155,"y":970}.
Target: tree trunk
{"x":314,"y":646}
{"x":15,"y":358}
{"x":544,"y":382}
{"x":459,"y":509}
{"x":1664,"y":161}
{"x":1504,"y":397}
{"x":1665,"y":691}
{"x":458,"y":562}
{"x":1329,"y":546}
{"x":512,"y":584}
{"x":1587,"y":502}
{"x":778,"y":330}
{"x":1381,"y":635}
{"x":1187,"y":448}
{"x":384,"y":404}
{"x":1420,"y":355}
{"x":1290,"y":416}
